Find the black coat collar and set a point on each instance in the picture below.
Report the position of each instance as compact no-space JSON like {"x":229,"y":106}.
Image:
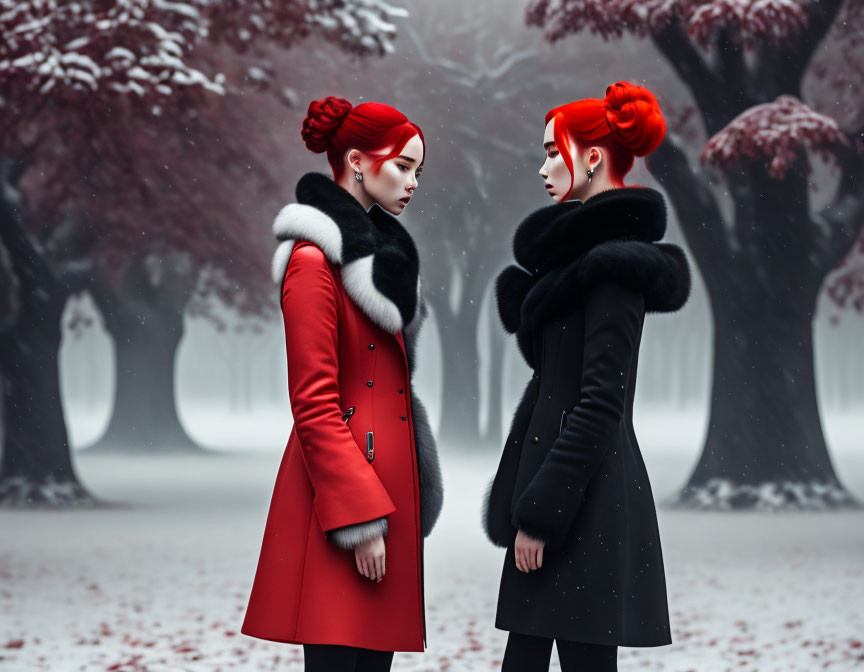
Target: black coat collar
{"x":556,"y":234}
{"x":565,"y":248}
{"x":377,"y":257}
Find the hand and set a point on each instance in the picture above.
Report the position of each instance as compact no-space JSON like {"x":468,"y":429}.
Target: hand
{"x":529,"y":552}
{"x":369,"y":557}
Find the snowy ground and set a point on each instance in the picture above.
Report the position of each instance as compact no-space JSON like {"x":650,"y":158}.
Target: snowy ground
{"x":160,"y":583}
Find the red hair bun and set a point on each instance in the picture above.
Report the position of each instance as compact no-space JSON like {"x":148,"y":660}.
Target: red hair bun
{"x":323,"y":119}
{"x":634,"y":117}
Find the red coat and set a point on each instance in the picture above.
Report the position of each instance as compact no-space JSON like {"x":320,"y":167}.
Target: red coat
{"x":306,"y":588}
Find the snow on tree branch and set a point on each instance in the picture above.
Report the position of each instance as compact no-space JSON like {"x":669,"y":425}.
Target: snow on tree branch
{"x":775,"y":21}
{"x":780,"y":131}
{"x":142,"y":47}
{"x":126,"y":46}
{"x":363,"y":27}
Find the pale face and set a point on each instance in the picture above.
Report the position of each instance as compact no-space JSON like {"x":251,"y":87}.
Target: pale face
{"x":394,"y":183}
{"x":554,"y":171}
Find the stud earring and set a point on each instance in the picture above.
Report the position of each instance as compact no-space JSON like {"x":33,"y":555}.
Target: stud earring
{"x":590,"y":172}
{"x":358,"y":176}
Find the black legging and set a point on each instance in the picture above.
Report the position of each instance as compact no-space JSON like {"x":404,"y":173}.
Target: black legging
{"x":336,"y":658}
{"x":526,"y":653}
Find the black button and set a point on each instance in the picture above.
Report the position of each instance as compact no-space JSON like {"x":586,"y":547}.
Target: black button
{"x":368,"y":383}
{"x":535,"y":439}
{"x":371,"y":346}
{"x":402,"y":417}
{"x":401,"y":391}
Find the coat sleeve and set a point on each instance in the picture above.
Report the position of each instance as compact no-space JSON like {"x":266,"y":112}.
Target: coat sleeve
{"x":348,"y":493}
{"x":548,"y":506}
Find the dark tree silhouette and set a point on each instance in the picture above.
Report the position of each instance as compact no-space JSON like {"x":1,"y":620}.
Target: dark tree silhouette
{"x":152,"y":215}
{"x":745,"y":65}
{"x":8,"y":294}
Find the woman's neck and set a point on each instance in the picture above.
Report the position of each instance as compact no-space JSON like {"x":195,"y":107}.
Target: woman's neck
{"x":350,"y":184}
{"x":598,"y":185}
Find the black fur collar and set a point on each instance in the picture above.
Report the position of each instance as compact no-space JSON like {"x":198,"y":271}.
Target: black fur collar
{"x":377,"y":256}
{"x":565,"y":248}
{"x":556,"y":234}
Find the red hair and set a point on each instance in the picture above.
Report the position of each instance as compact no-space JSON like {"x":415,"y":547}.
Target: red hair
{"x":626,"y":123}
{"x":335,"y":126}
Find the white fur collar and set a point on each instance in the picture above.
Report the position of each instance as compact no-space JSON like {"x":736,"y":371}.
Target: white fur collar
{"x":377,"y":258}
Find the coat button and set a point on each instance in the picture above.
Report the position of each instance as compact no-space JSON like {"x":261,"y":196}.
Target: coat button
{"x":402,"y":417}
{"x":401,"y":391}
{"x":535,"y":439}
{"x":369,"y":383}
{"x":371,"y":346}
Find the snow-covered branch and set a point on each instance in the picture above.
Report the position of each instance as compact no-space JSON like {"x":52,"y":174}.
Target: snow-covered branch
{"x":133,"y":47}
{"x":777,"y":132}
{"x":142,"y":47}
{"x":363,"y":27}
{"x":755,"y":21}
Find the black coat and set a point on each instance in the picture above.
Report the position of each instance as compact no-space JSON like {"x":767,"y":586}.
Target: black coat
{"x":571,"y":472}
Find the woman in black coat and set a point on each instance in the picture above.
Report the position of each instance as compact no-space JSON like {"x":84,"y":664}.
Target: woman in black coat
{"x":571,"y":500}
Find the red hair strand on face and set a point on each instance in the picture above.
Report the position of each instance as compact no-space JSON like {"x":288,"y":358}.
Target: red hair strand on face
{"x":627,"y":123}
{"x":334,"y":126}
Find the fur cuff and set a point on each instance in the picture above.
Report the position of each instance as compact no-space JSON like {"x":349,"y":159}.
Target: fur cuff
{"x":431,"y":481}
{"x":354,"y":535}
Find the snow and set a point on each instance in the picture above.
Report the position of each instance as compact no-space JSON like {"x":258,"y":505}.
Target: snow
{"x":159,"y":582}
{"x":779,"y":130}
{"x":753,"y":21}
{"x":121,"y":53}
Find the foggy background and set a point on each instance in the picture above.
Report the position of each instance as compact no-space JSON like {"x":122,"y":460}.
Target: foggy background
{"x":156,"y":574}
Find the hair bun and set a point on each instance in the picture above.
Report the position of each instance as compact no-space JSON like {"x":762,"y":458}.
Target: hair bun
{"x":634,"y":117}
{"x":323,"y":119}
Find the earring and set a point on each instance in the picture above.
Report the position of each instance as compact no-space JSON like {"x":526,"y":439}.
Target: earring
{"x":358,"y":176}
{"x":590,"y":172}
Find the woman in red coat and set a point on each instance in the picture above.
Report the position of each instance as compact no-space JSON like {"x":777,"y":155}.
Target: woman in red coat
{"x":359,"y":486}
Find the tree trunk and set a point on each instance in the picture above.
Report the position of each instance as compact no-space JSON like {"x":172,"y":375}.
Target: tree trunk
{"x":765,"y":447}
{"x":36,"y":466}
{"x":146,"y":323}
{"x":460,"y":408}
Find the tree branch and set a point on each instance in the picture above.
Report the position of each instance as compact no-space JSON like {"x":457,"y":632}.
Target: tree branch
{"x":704,"y":83}
{"x":842,"y":221}
{"x":780,"y":69}
{"x":733,"y":69}
{"x":698,"y":214}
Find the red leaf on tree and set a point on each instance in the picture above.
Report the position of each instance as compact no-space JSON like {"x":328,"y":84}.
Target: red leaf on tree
{"x":779,"y":131}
